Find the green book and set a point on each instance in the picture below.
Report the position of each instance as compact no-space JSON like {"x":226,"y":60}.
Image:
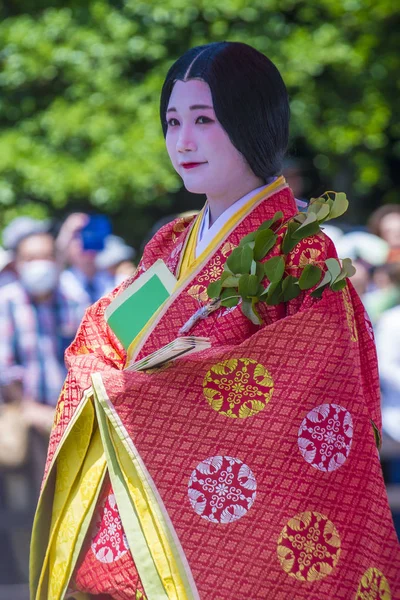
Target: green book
{"x":129,"y":312}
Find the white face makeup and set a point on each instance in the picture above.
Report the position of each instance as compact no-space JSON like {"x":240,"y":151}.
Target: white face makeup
{"x":201,"y":151}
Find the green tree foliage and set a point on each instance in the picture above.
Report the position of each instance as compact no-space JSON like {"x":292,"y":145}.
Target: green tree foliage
{"x":80,"y":83}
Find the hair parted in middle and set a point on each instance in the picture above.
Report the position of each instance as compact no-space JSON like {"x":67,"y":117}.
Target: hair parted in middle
{"x":249,"y":96}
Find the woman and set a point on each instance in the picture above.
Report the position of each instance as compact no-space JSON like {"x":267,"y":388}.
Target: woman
{"x":248,"y":470}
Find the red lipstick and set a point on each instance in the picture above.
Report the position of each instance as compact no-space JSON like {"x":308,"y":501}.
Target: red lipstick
{"x":191,"y":165}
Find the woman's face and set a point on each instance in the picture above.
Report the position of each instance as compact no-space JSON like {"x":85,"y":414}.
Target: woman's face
{"x":200,"y":149}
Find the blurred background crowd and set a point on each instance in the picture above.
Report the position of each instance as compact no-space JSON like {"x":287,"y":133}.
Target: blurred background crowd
{"x":85,"y":181}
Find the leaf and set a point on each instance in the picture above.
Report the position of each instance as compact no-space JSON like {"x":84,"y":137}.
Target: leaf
{"x":300,"y":218}
{"x":230,"y":302}
{"x":320,"y":208}
{"x":274,"y":268}
{"x":214,"y":289}
{"x":250,"y":237}
{"x":310,"y":218}
{"x":229,"y":297}
{"x":230,"y":281}
{"x":265,"y":225}
{"x":248,"y":311}
{"x":338,"y":285}
{"x":323,"y":212}
{"x":317,"y":293}
{"x":340,"y":205}
{"x":260,"y":272}
{"x":247,"y":259}
{"x":347,"y":270}
{"x":334,"y":268}
{"x":274,"y":293}
{"x":290,"y":288}
{"x":264,"y":241}
{"x":310,"y":276}
{"x":305,"y":231}
{"x":248,"y":285}
{"x":289,"y":242}
{"x":234,"y":260}
{"x":277,"y":216}
{"x":348,"y":267}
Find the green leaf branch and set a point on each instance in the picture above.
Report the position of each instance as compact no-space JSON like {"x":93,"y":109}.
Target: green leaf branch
{"x":246,"y":268}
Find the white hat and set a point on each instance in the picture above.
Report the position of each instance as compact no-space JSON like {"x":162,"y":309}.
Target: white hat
{"x":366,"y":246}
{"x":20,"y":228}
{"x":115,"y":251}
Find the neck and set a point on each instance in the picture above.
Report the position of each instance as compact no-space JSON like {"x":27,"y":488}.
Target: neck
{"x":218,"y":204}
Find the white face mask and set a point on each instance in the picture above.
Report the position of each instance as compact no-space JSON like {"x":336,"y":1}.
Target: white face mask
{"x":38,"y":277}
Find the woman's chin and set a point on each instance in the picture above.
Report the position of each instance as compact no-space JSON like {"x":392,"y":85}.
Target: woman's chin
{"x":194,"y":188}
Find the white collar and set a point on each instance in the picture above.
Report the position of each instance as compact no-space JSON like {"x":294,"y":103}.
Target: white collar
{"x":207,"y":233}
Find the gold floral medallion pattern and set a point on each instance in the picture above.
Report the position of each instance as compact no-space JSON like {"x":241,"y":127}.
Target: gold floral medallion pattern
{"x":198,"y":292}
{"x":238,"y":388}
{"x":213,"y":272}
{"x":180,"y":226}
{"x":302,"y":255}
{"x":351,"y":322}
{"x":309,"y":256}
{"x":227,"y":249}
{"x":309,"y":547}
{"x":373,"y":586}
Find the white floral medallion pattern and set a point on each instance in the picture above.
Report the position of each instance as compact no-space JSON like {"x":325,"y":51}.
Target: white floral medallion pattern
{"x":325,"y":437}
{"x":109,"y":541}
{"x":222,"y":489}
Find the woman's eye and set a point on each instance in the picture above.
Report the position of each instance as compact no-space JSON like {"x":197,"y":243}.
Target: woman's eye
{"x":172,"y":122}
{"x":203,"y":120}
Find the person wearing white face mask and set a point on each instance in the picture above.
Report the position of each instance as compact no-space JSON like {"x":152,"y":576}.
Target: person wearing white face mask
{"x":36,"y":324}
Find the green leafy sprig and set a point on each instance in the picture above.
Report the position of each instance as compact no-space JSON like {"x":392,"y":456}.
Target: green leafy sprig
{"x":244,"y":270}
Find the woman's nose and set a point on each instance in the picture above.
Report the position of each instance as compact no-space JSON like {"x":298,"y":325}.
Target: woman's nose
{"x":185,"y":141}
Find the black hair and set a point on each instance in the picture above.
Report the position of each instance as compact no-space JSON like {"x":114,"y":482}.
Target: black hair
{"x":250,"y":100}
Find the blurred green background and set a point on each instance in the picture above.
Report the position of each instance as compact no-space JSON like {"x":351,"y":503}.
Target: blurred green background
{"x":80,"y":84}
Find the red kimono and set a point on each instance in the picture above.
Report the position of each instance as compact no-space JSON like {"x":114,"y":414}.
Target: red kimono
{"x":258,"y":457}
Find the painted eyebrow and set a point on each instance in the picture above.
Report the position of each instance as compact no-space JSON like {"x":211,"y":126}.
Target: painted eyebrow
{"x":194,"y":107}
